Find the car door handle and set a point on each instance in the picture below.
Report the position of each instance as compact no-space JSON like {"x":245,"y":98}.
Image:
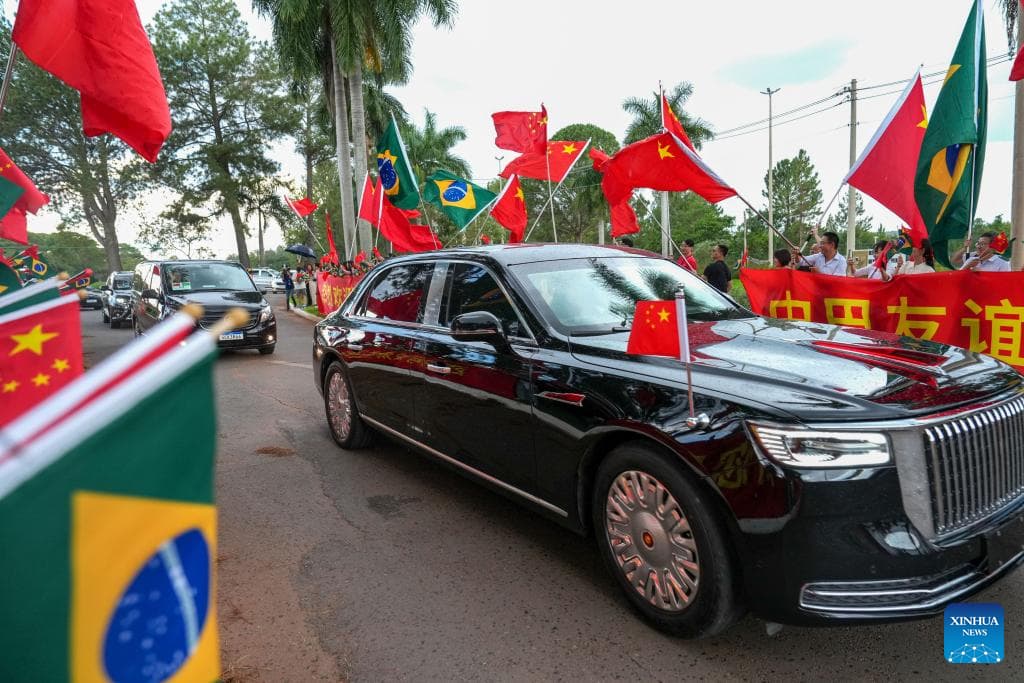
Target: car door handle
{"x":353,"y":346}
{"x":439,"y":369}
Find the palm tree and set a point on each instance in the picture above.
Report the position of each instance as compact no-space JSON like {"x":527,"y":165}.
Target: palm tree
{"x":430,"y":148}
{"x":647,"y":115}
{"x":1011,"y":9}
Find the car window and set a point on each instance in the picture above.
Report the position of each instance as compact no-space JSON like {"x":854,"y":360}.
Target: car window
{"x":475,"y":289}
{"x":191,"y":277}
{"x":121,"y":282}
{"x":398,"y":294}
{"x":139,"y":278}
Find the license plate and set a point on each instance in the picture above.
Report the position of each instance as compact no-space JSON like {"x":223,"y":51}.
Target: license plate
{"x":231,"y":336}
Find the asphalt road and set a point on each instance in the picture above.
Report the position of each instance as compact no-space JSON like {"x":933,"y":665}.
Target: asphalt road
{"x":381,"y":565}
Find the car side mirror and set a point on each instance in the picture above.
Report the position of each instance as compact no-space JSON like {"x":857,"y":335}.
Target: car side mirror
{"x":480,"y":326}
{"x":150,"y":294}
{"x":105,"y":288}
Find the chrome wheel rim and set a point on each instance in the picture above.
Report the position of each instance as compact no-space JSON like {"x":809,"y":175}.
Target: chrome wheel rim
{"x":339,"y":406}
{"x":651,"y":541}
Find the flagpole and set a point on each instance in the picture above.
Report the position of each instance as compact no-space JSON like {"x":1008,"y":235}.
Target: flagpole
{"x":551,"y":203}
{"x":477,"y":214}
{"x":828,"y":206}
{"x":7,"y":75}
{"x":302,"y":218}
{"x":771,"y":227}
{"x":567,"y":172}
{"x":419,"y":195}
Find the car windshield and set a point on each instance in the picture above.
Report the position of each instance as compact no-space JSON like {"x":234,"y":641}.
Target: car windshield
{"x":122,"y":283}
{"x":598,"y":295}
{"x":191,"y":277}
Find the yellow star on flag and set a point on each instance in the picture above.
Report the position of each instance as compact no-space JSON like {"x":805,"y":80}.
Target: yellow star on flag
{"x":520,"y":195}
{"x":923,"y":123}
{"x":663,"y":315}
{"x":9,"y":387}
{"x":41,"y":380}
{"x":61,"y":364}
{"x":953,"y":68}
{"x":386,"y":155}
{"x":32,"y":340}
{"x":569,"y":149}
{"x":663,"y":152}
{"x":3,"y":288}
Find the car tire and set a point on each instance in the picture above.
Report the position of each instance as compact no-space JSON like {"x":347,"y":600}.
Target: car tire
{"x":347,"y":428}
{"x":651,"y":518}
{"x":267,"y":350}
{"x":115,"y":324}
{"x":106,"y":318}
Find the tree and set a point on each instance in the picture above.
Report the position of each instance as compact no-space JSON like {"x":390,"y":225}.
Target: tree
{"x":261,"y":197}
{"x":226,"y":102}
{"x":580,"y":206}
{"x":430,"y":148}
{"x":797,"y":201}
{"x":647,"y":115}
{"x":180,"y":230}
{"x":691,"y":217}
{"x":66,"y":250}
{"x":89,"y":179}
{"x":838,"y":222}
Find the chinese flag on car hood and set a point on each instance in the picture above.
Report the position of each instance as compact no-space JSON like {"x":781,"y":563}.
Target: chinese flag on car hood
{"x":100,"y":49}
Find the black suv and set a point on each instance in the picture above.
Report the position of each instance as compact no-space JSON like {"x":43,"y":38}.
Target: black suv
{"x":117,"y":298}
{"x":159,"y":288}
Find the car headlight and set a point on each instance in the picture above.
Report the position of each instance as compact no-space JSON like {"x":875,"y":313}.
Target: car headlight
{"x":808,"y":448}
{"x":266,"y":314}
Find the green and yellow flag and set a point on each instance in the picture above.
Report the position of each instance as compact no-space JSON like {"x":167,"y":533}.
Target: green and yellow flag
{"x":108,"y":524}
{"x":461,"y":200}
{"x":395,"y":171}
{"x":953,"y":150}
{"x":9,"y":280}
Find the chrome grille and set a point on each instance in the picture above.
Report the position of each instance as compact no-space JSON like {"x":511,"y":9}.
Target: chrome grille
{"x":211,"y":318}
{"x":975,"y":465}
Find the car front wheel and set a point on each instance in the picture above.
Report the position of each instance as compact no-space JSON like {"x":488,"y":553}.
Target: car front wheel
{"x":347,"y":428}
{"x":662,"y":541}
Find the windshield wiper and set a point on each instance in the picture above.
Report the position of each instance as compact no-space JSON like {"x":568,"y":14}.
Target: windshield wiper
{"x":598,"y":333}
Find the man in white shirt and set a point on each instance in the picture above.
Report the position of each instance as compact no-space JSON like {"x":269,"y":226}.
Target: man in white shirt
{"x":984,"y":259}
{"x":828,"y":261}
{"x":871,"y":272}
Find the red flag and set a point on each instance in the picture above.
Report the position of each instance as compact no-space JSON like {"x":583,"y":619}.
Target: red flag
{"x":744,"y":257}
{"x":100,"y":49}
{"x":369,"y":203}
{"x":879,"y":263}
{"x":655,"y":330}
{"x":886,"y":167}
{"x":624,"y":220}
{"x":509,"y":210}
{"x":670,"y":122}
{"x":521,"y":131}
{"x":360,"y":257}
{"x":561,"y":156}
{"x":599,"y":159}
{"x":376,"y":254}
{"x":332,"y":252}
{"x":661,"y":162}
{"x":40,"y":352}
{"x":484,"y":239}
{"x":395,"y":226}
{"x":999,"y":243}
{"x":13,"y":225}
{"x":302,"y":207}
{"x":78,"y":281}
{"x":1017,"y":72}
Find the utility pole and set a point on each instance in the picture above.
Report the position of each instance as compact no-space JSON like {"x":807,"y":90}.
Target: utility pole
{"x":771,"y":184}
{"x":851,"y":196}
{"x":499,"y":159}
{"x":600,"y":232}
{"x":1017,"y":197}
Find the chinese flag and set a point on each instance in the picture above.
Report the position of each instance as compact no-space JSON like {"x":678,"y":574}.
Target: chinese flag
{"x":40,"y":352}
{"x":394,"y":224}
{"x":332,"y":252}
{"x":100,"y":49}
{"x":886,"y":167}
{"x":13,"y":225}
{"x":561,"y":156}
{"x":655,"y":330}
{"x":670,"y":122}
{"x":1017,"y":72}
{"x":510,"y":210}
{"x":302,"y":207}
{"x":369,"y":202}
{"x":661,"y":162}
{"x":521,"y":131}
{"x":624,"y":220}
{"x":599,"y":159}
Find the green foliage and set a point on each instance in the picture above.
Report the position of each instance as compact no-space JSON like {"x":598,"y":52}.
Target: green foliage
{"x":647,"y":115}
{"x":73,"y":252}
{"x":227,"y":104}
{"x":88,"y":179}
{"x":797,"y":200}
{"x":579,"y":203}
{"x":179,"y":232}
{"x":691,"y":217}
{"x":867,"y":232}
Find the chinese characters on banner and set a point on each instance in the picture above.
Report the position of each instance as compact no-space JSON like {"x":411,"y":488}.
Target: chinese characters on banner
{"x":333,"y":289}
{"x":977,"y":311}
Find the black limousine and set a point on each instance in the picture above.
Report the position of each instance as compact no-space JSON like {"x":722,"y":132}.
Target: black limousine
{"x":839,"y":476}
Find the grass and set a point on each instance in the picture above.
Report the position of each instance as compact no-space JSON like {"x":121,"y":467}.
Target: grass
{"x":312,"y":310}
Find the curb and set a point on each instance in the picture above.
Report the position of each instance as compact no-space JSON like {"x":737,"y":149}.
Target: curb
{"x":303,"y":314}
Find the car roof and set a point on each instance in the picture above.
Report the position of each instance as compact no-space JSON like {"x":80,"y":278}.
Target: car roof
{"x":512,"y":254}
{"x":189,"y":262}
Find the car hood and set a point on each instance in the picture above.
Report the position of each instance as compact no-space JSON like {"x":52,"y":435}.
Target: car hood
{"x":218,"y":300}
{"x":816,"y":371}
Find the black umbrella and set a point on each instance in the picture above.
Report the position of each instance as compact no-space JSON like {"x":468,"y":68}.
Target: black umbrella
{"x":301,"y":250}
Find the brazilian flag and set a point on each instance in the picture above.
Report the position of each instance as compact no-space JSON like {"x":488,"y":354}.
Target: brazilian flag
{"x":953,"y":150}
{"x":41,"y":292}
{"x":107,"y":522}
{"x":9,"y":280}
{"x":395,"y":171}
{"x":461,"y":200}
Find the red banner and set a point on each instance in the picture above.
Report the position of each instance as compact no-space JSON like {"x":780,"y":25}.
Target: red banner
{"x":977,"y":311}
{"x":332,"y":290}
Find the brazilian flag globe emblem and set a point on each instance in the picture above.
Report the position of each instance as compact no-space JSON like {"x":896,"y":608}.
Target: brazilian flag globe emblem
{"x":459,"y":199}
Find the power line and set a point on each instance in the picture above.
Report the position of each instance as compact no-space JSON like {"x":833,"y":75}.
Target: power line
{"x":782,"y":123}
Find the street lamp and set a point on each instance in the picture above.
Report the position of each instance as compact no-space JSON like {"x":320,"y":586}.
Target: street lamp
{"x":771,"y":186}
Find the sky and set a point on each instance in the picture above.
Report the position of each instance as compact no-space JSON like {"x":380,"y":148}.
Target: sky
{"x":582,"y":58}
